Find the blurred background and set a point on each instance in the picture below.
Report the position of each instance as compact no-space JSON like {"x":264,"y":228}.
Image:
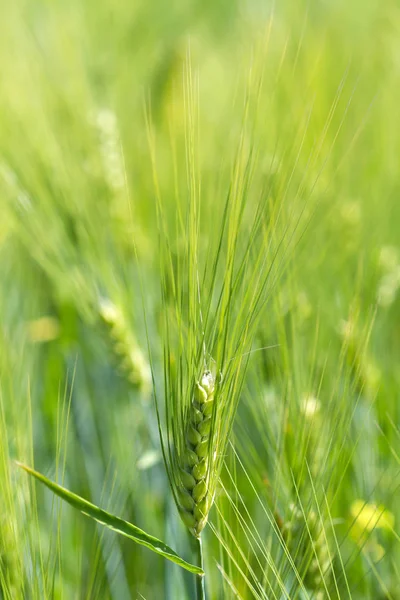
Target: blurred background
{"x":93,"y":103}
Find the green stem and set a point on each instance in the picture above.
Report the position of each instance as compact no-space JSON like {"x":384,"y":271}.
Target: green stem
{"x":200,"y":579}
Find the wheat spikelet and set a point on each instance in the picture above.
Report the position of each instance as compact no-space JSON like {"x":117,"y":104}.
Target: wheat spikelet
{"x":193,"y":494}
{"x":129,"y":358}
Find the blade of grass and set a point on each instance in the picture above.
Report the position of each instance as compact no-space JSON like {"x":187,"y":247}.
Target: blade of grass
{"x":113,"y":522}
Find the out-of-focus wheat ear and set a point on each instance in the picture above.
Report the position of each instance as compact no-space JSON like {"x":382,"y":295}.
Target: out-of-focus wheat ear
{"x":129,"y":358}
{"x":309,"y":545}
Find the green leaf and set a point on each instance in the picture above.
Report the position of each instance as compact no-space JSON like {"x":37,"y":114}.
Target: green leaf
{"x":112,"y":522}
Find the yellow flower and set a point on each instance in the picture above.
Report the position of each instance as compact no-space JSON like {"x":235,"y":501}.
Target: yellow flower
{"x":44,"y":329}
{"x":371,"y":516}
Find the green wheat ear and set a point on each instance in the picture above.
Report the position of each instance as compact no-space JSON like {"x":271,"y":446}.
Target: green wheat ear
{"x":129,"y":358}
{"x":310,"y":548}
{"x":194,"y":495}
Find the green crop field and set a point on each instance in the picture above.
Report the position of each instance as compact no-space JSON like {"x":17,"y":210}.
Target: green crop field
{"x":199,"y":300}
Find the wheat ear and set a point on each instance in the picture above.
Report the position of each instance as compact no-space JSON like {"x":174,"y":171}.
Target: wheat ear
{"x":317,"y":560}
{"x":129,"y":357}
{"x":193,"y":493}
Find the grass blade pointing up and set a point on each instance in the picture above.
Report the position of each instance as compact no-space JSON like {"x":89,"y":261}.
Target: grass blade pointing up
{"x":112,"y":522}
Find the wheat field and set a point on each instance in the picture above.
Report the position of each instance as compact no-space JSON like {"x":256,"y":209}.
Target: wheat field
{"x":200,"y":300}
